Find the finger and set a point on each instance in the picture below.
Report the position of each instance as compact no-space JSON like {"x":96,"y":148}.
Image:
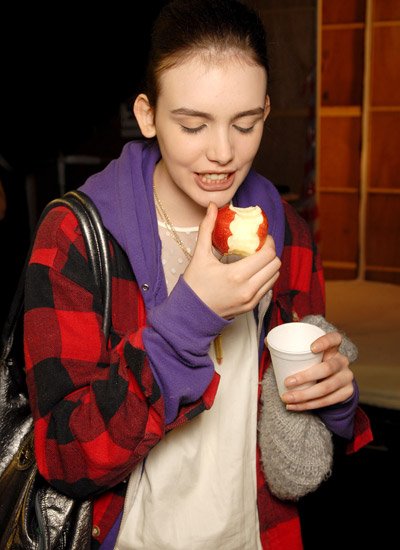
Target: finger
{"x":206,"y":228}
{"x":320,"y":371}
{"x":341,"y":379}
{"x":333,"y":353}
{"x":260,"y":283}
{"x":328,"y":340}
{"x":254,"y":299}
{"x":268,"y":285}
{"x":269,"y":243}
{"x":264,"y":280}
{"x":250,"y":265}
{"x":338,"y":396}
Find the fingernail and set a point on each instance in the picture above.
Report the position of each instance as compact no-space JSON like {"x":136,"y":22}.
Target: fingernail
{"x":290,"y":381}
{"x":288,"y":397}
{"x":315,"y":348}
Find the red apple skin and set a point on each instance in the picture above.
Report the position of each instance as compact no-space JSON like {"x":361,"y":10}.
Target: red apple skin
{"x":222,"y":230}
{"x":262,"y":230}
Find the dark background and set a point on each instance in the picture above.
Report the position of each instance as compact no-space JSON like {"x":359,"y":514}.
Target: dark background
{"x":64,"y":73}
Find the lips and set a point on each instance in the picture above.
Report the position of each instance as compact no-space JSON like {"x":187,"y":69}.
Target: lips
{"x":214,"y":181}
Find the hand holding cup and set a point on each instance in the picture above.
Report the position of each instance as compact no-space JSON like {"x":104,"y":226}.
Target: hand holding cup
{"x":290,"y":349}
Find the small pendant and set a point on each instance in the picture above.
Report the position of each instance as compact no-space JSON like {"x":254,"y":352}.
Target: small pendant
{"x":218,"y":349}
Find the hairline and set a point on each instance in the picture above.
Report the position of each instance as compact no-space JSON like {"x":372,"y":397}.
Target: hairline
{"x":214,"y":56}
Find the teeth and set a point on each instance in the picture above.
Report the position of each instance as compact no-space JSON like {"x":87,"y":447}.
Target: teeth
{"x":214,"y":177}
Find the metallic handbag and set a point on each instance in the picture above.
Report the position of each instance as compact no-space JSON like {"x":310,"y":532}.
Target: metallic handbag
{"x":33,"y":515}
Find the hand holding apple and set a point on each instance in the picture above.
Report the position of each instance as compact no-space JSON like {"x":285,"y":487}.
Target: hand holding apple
{"x":230,"y":288}
{"x":239,"y":231}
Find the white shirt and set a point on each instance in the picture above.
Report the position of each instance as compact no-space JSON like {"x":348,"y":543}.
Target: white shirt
{"x":197,"y":488}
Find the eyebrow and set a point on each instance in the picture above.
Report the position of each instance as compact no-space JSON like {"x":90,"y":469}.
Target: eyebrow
{"x":207,"y":116}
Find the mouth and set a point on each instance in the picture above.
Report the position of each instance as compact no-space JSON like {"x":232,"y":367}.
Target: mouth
{"x":215,"y":181}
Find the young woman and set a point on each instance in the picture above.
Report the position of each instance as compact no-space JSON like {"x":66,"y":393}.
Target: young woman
{"x":160,"y":433}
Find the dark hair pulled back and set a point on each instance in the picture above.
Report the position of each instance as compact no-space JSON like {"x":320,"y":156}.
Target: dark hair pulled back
{"x":185,"y":27}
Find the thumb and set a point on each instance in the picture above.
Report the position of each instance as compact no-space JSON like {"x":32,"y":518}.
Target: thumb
{"x":206,"y":227}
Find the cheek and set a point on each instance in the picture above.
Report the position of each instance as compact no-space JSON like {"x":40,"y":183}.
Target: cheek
{"x":247,"y":148}
{"x":184,"y":151}
{"x":174,"y":144}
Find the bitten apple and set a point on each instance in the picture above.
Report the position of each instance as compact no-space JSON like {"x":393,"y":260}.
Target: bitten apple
{"x":239,"y":231}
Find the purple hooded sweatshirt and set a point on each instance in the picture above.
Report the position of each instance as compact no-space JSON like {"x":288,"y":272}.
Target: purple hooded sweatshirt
{"x":181,"y":327}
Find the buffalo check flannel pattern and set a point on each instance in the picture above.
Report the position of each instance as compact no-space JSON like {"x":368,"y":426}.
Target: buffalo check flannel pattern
{"x":96,"y":405}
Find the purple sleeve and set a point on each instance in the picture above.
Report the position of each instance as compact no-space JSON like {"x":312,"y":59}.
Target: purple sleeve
{"x":111,"y":538}
{"x":339,"y":418}
{"x":177,"y":342}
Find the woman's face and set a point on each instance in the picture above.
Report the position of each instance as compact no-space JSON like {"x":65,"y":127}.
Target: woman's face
{"x":209,"y":121}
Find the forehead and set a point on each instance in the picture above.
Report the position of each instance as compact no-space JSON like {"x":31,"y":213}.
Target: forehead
{"x":202,"y":82}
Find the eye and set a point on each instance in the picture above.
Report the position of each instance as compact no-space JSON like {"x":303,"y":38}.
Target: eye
{"x":192,"y":130}
{"x":243,"y":130}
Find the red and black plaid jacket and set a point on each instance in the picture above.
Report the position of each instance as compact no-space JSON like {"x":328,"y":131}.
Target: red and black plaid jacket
{"x":97,"y":407}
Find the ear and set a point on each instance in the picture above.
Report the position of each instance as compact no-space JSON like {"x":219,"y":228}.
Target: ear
{"x":144,"y":114}
{"x":267,"y":107}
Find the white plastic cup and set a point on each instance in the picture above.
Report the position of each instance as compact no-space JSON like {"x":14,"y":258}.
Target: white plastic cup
{"x":289,"y":347}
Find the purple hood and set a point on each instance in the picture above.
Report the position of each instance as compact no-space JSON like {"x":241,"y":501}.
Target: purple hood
{"x":123,"y":193}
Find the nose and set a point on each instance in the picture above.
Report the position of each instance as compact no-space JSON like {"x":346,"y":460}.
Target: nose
{"x":220,"y":148}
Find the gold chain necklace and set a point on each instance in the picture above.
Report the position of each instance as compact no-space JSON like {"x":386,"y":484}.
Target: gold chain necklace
{"x":171,"y":228}
{"x":169,"y":225}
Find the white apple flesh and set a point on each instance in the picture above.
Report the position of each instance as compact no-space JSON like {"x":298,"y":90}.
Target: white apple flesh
{"x":240,"y":231}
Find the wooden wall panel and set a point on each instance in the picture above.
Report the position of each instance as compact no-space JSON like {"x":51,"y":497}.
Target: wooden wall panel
{"x":358,"y":125}
{"x":350,"y":11}
{"x":384,"y":150}
{"x":337,"y":273}
{"x":342,"y":67}
{"x":340,"y":149}
{"x":385,"y":67}
{"x":383,"y":231}
{"x":339,"y":227}
{"x":382,"y":276}
{"x":386,"y":10}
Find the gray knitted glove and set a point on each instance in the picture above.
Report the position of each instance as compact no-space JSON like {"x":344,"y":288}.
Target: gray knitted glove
{"x":296,"y":447}
{"x":346,"y":348}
